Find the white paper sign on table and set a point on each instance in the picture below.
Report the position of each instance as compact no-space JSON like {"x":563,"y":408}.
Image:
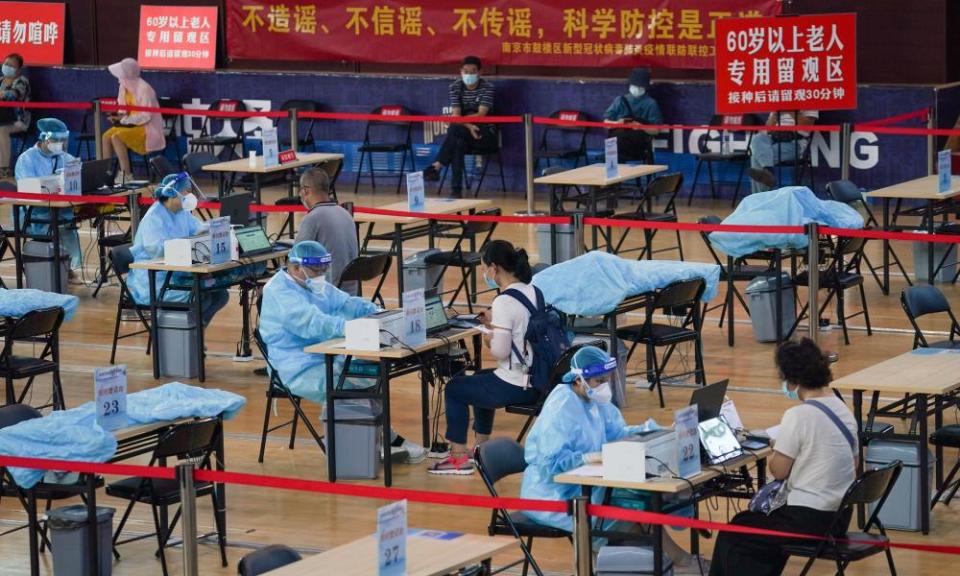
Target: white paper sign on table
{"x":612,"y":162}
{"x":220,"y":240}
{"x":110,"y":396}
{"x":729,"y":412}
{"x":392,"y":539}
{"x":71,"y":178}
{"x":685,"y":423}
{"x":414,"y":318}
{"x":271,"y":148}
{"x":944,"y":171}
{"x":416,"y":195}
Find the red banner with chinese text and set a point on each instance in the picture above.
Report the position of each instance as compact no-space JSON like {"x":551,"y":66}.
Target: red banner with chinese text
{"x":661,"y":33}
{"x":788,"y":63}
{"x":34,"y":30}
{"x":178,"y":37}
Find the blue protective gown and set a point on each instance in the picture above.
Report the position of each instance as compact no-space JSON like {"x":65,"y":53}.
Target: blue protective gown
{"x":157,"y":226}
{"x":568,"y":428}
{"x":35,"y":163}
{"x":292,"y":318}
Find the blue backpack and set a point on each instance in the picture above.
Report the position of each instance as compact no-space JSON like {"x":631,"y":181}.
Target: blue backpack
{"x":546,"y":337}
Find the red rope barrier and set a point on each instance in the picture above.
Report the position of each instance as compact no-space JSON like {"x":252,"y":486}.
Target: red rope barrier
{"x":881,"y":235}
{"x":690,"y":226}
{"x":195,"y":112}
{"x":921,"y":114}
{"x":91,"y":199}
{"x":158,"y":472}
{"x":730,"y":127}
{"x":465,"y":217}
{"x":411,"y":118}
{"x":46,"y":105}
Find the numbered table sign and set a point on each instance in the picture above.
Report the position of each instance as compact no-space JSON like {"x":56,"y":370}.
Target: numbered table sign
{"x":71,"y":178}
{"x":685,"y":423}
{"x":392,"y":539}
{"x":416,"y":196}
{"x":271,"y":148}
{"x":220,"y":240}
{"x":612,"y":162}
{"x":414,"y":318}
{"x":944,"y":171}
{"x":110,"y":396}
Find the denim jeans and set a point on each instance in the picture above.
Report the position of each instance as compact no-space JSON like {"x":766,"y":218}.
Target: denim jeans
{"x":485,"y":392}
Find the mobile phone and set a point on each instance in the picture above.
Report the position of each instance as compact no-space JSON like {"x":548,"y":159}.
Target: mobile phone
{"x":754,"y":444}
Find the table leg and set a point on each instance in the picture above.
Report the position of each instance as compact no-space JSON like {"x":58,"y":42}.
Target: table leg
{"x":930,"y":245}
{"x":695,"y":534}
{"x":33,"y":527}
{"x":134,"y":206}
{"x":154,"y":318}
{"x":245,"y":351}
{"x":924,"y":461}
{"x":424,"y":405}
{"x":473,"y":277}
{"x":656,"y":501}
{"x":398,"y":242}
{"x":761,"y":473}
{"x":939,"y":405}
{"x":477,"y":352}
{"x":886,"y":247}
{"x":93,"y":530}
{"x":730,"y":299}
{"x":220,"y":487}
{"x":385,"y":398}
{"x":779,"y":298}
{"x":593,"y":212}
{"x":331,"y":424}
{"x":256,"y":196}
{"x":17,"y":245}
{"x":55,"y":235}
{"x":198,"y":314}
{"x":858,"y":416}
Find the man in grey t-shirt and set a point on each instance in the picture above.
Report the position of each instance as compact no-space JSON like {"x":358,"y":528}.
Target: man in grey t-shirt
{"x":328,"y":224}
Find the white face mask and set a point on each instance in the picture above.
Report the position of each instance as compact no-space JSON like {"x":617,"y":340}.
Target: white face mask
{"x":55,"y":147}
{"x":189,"y":202}
{"x":602,"y":394}
{"x":637,"y":91}
{"x":317,"y":284}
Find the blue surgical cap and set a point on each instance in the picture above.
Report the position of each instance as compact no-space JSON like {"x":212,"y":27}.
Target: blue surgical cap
{"x":52,"y":129}
{"x":589,"y":362}
{"x":309,"y":253}
{"x":172,"y":185}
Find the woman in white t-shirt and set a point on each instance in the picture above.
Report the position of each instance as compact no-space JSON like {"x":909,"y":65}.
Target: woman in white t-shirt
{"x":505,"y":268}
{"x":813,"y":455}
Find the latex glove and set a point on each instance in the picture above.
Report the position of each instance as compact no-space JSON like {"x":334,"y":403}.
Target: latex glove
{"x":649,"y":426}
{"x":593,"y":458}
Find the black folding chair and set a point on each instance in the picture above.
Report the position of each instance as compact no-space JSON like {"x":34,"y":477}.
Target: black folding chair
{"x":663,"y":188}
{"x":563,"y":142}
{"x":39,"y":327}
{"x":367,"y":267}
{"x":497,"y":459}
{"x":85,"y":138}
{"x":873,"y":487}
{"x":921,"y":300}
{"x":384,"y":137}
{"x":463,"y":258}
{"x":718,"y":155}
{"x":305,"y":138}
{"x":161,"y":167}
{"x":120,"y":259}
{"x":211,"y":128}
{"x":266,"y":559}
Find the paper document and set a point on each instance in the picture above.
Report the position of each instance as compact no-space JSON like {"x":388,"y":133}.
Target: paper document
{"x":590,"y":470}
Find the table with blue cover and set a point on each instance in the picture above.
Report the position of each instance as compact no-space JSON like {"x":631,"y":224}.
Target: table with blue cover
{"x":788,"y":206}
{"x":75,"y":435}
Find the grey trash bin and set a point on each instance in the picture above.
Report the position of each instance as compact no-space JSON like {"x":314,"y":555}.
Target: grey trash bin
{"x":629,"y":560}
{"x":566,"y":247}
{"x":920,"y":263}
{"x":358,"y":438}
{"x":177,"y":342}
{"x":418,"y":274}
{"x":70,"y":540}
{"x":902,"y":508}
{"x":761,"y":298}
{"x":39,"y":269}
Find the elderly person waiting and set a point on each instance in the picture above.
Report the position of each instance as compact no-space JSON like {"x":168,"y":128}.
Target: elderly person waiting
{"x":328,"y":224}
{"x":137,"y":131}
{"x":15,"y":87}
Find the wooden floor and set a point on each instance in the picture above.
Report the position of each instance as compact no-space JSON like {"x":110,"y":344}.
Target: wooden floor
{"x":317,"y":522}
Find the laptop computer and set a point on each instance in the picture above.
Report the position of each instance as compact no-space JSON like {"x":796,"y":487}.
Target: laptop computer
{"x":709,"y":400}
{"x":237,"y":208}
{"x":436,"y":315}
{"x":94,"y":176}
{"x":718,"y":440}
{"x":252,"y":240}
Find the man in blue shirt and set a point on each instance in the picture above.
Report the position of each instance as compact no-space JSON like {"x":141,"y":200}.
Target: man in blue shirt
{"x":634,"y":107}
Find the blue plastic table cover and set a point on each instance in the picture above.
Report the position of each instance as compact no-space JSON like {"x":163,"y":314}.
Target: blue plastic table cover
{"x":597,"y":282}
{"x":17,"y":302}
{"x":789,"y":206}
{"x":75,"y":435}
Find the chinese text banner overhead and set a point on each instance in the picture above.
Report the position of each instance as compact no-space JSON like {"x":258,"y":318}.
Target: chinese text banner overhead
{"x":785,"y":64}
{"x":34,"y":30}
{"x":661,"y":33}
{"x":180,"y":37}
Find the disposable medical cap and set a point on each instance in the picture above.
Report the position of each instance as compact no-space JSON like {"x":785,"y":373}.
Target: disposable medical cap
{"x":52,"y":129}
{"x":309,"y":253}
{"x":172,"y":184}
{"x":589,"y":362}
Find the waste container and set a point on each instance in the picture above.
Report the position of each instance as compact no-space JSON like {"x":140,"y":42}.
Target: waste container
{"x":920,"y":263}
{"x":70,"y":540}
{"x":418,"y":274}
{"x":39,"y":268}
{"x":358,"y":438}
{"x":761,"y":298}
{"x":629,"y":560}
{"x":902,"y":508}
{"x":566,"y":246}
{"x":177,"y":343}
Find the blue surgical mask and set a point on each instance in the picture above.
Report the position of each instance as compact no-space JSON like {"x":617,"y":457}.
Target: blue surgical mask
{"x":9,"y":71}
{"x":491,"y":283}
{"x":470,"y":79}
{"x":791,"y":394}
{"x":317,"y":284}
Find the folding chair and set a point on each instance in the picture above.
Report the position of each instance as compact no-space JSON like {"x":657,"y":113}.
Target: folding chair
{"x":382,"y":137}
{"x":120,"y":259}
{"x":266,"y":559}
{"x":664,"y":188}
{"x":40,"y":327}
{"x":712,"y":139}
{"x":485,"y":157}
{"x":921,"y":300}
{"x":212,"y":128}
{"x":305,"y":138}
{"x":367,"y":267}
{"x":461,"y":257}
{"x":85,"y":138}
{"x":563,"y":142}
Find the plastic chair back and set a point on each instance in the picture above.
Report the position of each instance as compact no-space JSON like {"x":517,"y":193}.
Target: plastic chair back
{"x":36,"y":323}
{"x":16,"y":413}
{"x":266,"y":559}
{"x":681,"y":294}
{"x":189,"y":439}
{"x":121,"y":257}
{"x":844,"y":191}
{"x":498,"y":458}
{"x":923,"y":299}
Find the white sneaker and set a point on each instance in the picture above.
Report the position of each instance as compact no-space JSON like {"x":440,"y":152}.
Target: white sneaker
{"x":438,"y":455}
{"x":415,"y":452}
{"x":120,"y":178}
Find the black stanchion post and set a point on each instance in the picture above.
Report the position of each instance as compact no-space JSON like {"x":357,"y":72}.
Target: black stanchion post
{"x":813,"y":275}
{"x":97,"y":130}
{"x":294,"y":135}
{"x":844,"y":152}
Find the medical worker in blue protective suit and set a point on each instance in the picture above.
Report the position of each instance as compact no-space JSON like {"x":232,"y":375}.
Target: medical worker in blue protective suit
{"x":46,"y":158}
{"x":301,"y":308}
{"x":170,"y":218}
{"x":576,"y":421}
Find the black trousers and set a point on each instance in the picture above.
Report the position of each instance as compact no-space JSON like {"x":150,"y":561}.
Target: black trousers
{"x":458,"y":143}
{"x":738,"y":554}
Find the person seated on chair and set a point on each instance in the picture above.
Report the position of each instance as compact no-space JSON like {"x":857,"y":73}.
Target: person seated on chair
{"x":577,"y":419}
{"x":14,"y":86}
{"x":505,"y":268}
{"x":472,"y":96}
{"x":46,"y":158}
{"x":813,"y":455}
{"x":141,"y":132}
{"x":301,"y":308}
{"x":767,"y":149}
{"x":328,"y":224}
{"x":170,"y":217}
{"x":634,"y":107}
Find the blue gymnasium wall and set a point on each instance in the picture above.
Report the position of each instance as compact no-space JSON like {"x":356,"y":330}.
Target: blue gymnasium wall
{"x":885,"y":159}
